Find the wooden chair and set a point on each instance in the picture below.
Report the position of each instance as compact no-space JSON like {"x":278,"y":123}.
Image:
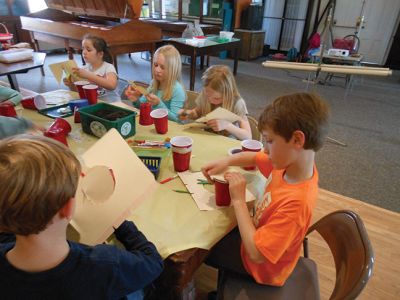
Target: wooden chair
{"x":347,"y":238}
{"x":254,"y":128}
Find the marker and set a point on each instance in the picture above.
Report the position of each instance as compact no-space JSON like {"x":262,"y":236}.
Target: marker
{"x":182,"y":192}
{"x":168,"y":179}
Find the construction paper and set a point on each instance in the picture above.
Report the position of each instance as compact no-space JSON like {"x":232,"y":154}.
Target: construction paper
{"x":204,"y":195}
{"x":96,"y":215}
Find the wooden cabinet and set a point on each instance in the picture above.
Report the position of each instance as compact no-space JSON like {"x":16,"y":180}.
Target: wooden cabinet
{"x":252,"y":43}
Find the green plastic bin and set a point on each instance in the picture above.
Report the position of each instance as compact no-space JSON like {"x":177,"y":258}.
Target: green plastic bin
{"x":94,"y":123}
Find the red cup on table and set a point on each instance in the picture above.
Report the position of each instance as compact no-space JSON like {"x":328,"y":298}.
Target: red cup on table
{"x":28,"y":103}
{"x":222,"y":195}
{"x":160,"y":119}
{"x":90,"y":93}
{"x":7,"y":110}
{"x":60,"y":125}
{"x":58,"y":136}
{"x":252,"y":146}
{"x":79,"y":86}
{"x":59,"y":130}
{"x":181,"y":152}
{"x":144,"y":117}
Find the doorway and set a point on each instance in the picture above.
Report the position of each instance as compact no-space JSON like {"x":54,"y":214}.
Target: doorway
{"x":284,"y":23}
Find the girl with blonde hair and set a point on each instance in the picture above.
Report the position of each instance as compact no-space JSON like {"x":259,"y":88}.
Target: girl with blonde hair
{"x":166,"y":89}
{"x":220,"y":90}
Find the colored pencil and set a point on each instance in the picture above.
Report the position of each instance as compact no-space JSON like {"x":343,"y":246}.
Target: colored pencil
{"x":168,"y":179}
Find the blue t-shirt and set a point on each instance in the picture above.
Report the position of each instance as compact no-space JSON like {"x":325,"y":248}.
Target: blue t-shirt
{"x":99,"y":272}
{"x":173,"y":105}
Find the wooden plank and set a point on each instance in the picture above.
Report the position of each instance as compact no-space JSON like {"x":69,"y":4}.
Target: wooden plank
{"x":382,"y":227}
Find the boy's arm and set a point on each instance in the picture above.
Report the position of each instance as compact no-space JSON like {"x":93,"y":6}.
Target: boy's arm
{"x":237,"y":190}
{"x":242,"y":159}
{"x":10,"y":126}
{"x":141,"y":263}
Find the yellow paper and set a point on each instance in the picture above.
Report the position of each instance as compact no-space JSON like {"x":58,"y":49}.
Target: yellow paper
{"x":205,"y":199}
{"x":139,"y":88}
{"x":220,"y":114}
{"x":94,"y":219}
{"x":64,"y":67}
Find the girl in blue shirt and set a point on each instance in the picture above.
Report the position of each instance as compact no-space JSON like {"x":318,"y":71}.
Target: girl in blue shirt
{"x":166,"y":89}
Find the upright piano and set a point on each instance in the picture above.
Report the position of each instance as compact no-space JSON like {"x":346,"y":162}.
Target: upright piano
{"x":65,"y":22}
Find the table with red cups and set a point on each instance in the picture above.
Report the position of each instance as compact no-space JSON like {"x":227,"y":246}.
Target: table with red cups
{"x":181,"y":232}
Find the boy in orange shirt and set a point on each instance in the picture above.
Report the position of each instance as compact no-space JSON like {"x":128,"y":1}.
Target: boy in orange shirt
{"x":267,"y":245}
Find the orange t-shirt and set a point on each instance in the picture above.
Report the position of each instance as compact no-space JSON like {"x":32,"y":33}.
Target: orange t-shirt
{"x":281,"y":218}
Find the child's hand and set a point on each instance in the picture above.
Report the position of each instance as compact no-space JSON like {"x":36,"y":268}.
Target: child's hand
{"x":153,"y":99}
{"x":80,"y":72}
{"x":237,"y":186}
{"x":185,"y":114}
{"x":68,"y":82}
{"x":218,"y":125}
{"x":214,"y":167}
{"x":132,"y":94}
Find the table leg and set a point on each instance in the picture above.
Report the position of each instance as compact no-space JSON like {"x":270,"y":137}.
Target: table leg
{"x":235,"y":64}
{"x":202,"y":62}
{"x":115,"y":63}
{"x":13,"y":82}
{"x":193,"y":70}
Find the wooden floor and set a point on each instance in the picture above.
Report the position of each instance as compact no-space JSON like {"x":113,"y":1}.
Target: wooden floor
{"x":383,"y":228}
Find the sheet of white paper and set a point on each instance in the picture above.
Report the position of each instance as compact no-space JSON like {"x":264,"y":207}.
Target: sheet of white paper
{"x":58,"y":97}
{"x":205,"y":200}
{"x":220,"y":114}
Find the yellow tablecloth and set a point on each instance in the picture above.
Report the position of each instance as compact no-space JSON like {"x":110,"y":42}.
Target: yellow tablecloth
{"x":171,"y":220}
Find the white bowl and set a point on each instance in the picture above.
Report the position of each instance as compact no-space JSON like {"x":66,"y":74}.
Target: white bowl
{"x":226,"y":35}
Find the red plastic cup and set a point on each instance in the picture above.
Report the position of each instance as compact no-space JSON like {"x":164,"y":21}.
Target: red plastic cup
{"x":144,"y":117}
{"x":253,"y":146}
{"x":222,"y":195}
{"x":60,"y":125}
{"x":160,"y":119}
{"x":90,"y":93}
{"x":58,"y":136}
{"x":79,"y":85}
{"x":7,"y":110}
{"x":28,"y":103}
{"x":181,"y":152}
{"x":77,"y":115}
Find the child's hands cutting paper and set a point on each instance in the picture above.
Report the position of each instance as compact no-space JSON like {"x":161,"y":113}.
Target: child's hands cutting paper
{"x":218,"y":125}
{"x":153,"y":99}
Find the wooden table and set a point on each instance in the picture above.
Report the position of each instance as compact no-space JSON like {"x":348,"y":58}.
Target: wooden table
{"x":21,"y":67}
{"x":172,"y":221}
{"x":210,"y":46}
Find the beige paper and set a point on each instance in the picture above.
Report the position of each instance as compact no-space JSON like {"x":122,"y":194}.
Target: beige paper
{"x":134,"y":183}
{"x":139,"y":88}
{"x":220,"y":114}
{"x":205,"y":199}
{"x":58,"y":69}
